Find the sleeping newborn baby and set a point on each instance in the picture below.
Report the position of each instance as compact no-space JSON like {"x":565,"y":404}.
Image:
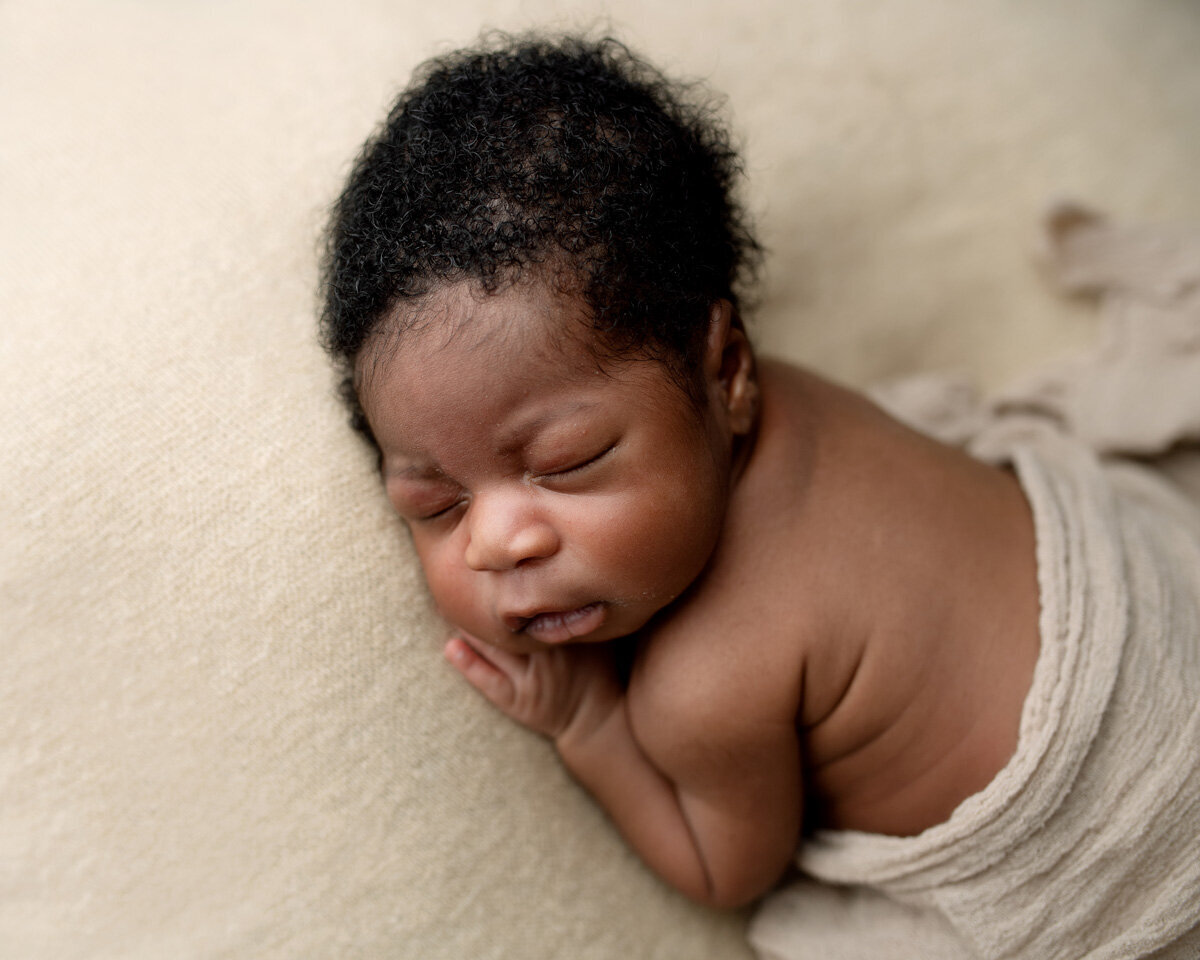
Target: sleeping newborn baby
{"x":748,"y":606}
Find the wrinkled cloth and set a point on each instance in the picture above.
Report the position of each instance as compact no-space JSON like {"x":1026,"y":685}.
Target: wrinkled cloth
{"x":1087,"y":843}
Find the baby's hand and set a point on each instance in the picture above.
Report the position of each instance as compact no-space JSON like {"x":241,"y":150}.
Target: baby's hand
{"x":547,"y":691}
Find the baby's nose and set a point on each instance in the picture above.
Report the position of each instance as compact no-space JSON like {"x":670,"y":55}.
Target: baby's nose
{"x":505,"y":534}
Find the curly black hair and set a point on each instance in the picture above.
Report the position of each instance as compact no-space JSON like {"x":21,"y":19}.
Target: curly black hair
{"x":534,"y":151}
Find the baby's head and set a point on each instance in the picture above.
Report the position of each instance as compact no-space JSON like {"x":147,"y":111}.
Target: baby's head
{"x":532,"y":287}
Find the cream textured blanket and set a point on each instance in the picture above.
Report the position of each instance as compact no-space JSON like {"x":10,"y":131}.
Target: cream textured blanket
{"x":1087,"y":844}
{"x":227,"y":730}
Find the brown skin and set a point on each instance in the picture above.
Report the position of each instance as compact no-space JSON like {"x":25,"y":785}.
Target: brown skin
{"x":827,"y":604}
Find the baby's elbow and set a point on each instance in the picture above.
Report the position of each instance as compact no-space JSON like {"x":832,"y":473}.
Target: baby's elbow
{"x":731,"y":892}
{"x":731,"y":899}
{"x":741,"y":879}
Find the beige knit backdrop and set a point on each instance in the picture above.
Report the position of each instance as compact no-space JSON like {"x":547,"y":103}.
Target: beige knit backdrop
{"x":225,"y":727}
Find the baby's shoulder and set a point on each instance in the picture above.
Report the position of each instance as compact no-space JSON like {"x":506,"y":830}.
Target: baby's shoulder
{"x":713,"y":684}
{"x":736,"y":644}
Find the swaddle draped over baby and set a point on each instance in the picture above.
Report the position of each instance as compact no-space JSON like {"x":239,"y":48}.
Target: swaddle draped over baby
{"x":1087,"y":844}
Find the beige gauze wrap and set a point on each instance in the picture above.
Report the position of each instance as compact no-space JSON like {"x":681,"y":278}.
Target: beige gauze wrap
{"x":1087,"y":844}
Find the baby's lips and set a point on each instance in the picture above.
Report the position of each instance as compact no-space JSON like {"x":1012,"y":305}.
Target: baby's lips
{"x":515,"y":622}
{"x":563,"y":627}
{"x":518,"y":620}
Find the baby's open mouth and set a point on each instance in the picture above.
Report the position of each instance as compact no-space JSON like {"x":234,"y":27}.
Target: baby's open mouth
{"x":560,"y":626}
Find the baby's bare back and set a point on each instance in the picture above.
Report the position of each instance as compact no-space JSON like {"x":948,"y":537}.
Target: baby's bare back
{"x":875,"y":589}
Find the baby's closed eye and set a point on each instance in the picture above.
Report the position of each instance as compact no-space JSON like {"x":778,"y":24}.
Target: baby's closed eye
{"x":567,"y":466}
{"x":423,"y":499}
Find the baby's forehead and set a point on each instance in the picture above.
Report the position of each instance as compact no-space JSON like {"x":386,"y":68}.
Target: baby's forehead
{"x":525,"y":352}
{"x":443,"y":411}
{"x":522,"y":325}
{"x":466,"y":314}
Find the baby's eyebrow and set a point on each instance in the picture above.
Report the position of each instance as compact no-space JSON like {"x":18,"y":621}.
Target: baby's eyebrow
{"x":411,"y":471}
{"x":520,"y":433}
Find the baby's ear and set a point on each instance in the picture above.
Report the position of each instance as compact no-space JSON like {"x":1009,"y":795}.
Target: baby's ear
{"x":729,"y":367}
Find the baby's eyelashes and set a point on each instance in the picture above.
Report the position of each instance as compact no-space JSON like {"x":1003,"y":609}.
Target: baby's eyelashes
{"x":438,"y":514}
{"x":420,"y":498}
{"x":576,"y":465}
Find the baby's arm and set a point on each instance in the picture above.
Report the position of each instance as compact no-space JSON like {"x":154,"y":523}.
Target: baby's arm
{"x":702,"y":780}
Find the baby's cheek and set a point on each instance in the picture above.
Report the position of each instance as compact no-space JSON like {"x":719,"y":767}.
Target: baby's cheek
{"x":685,"y":530}
{"x":661,"y":540}
{"x":451,"y":598}
{"x":449,"y":589}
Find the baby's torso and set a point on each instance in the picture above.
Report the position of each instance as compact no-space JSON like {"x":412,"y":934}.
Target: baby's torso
{"x":925,"y":723}
{"x":847,"y":607}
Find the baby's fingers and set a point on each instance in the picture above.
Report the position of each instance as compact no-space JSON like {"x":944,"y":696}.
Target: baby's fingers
{"x":481,"y":673}
{"x":512,"y":664}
